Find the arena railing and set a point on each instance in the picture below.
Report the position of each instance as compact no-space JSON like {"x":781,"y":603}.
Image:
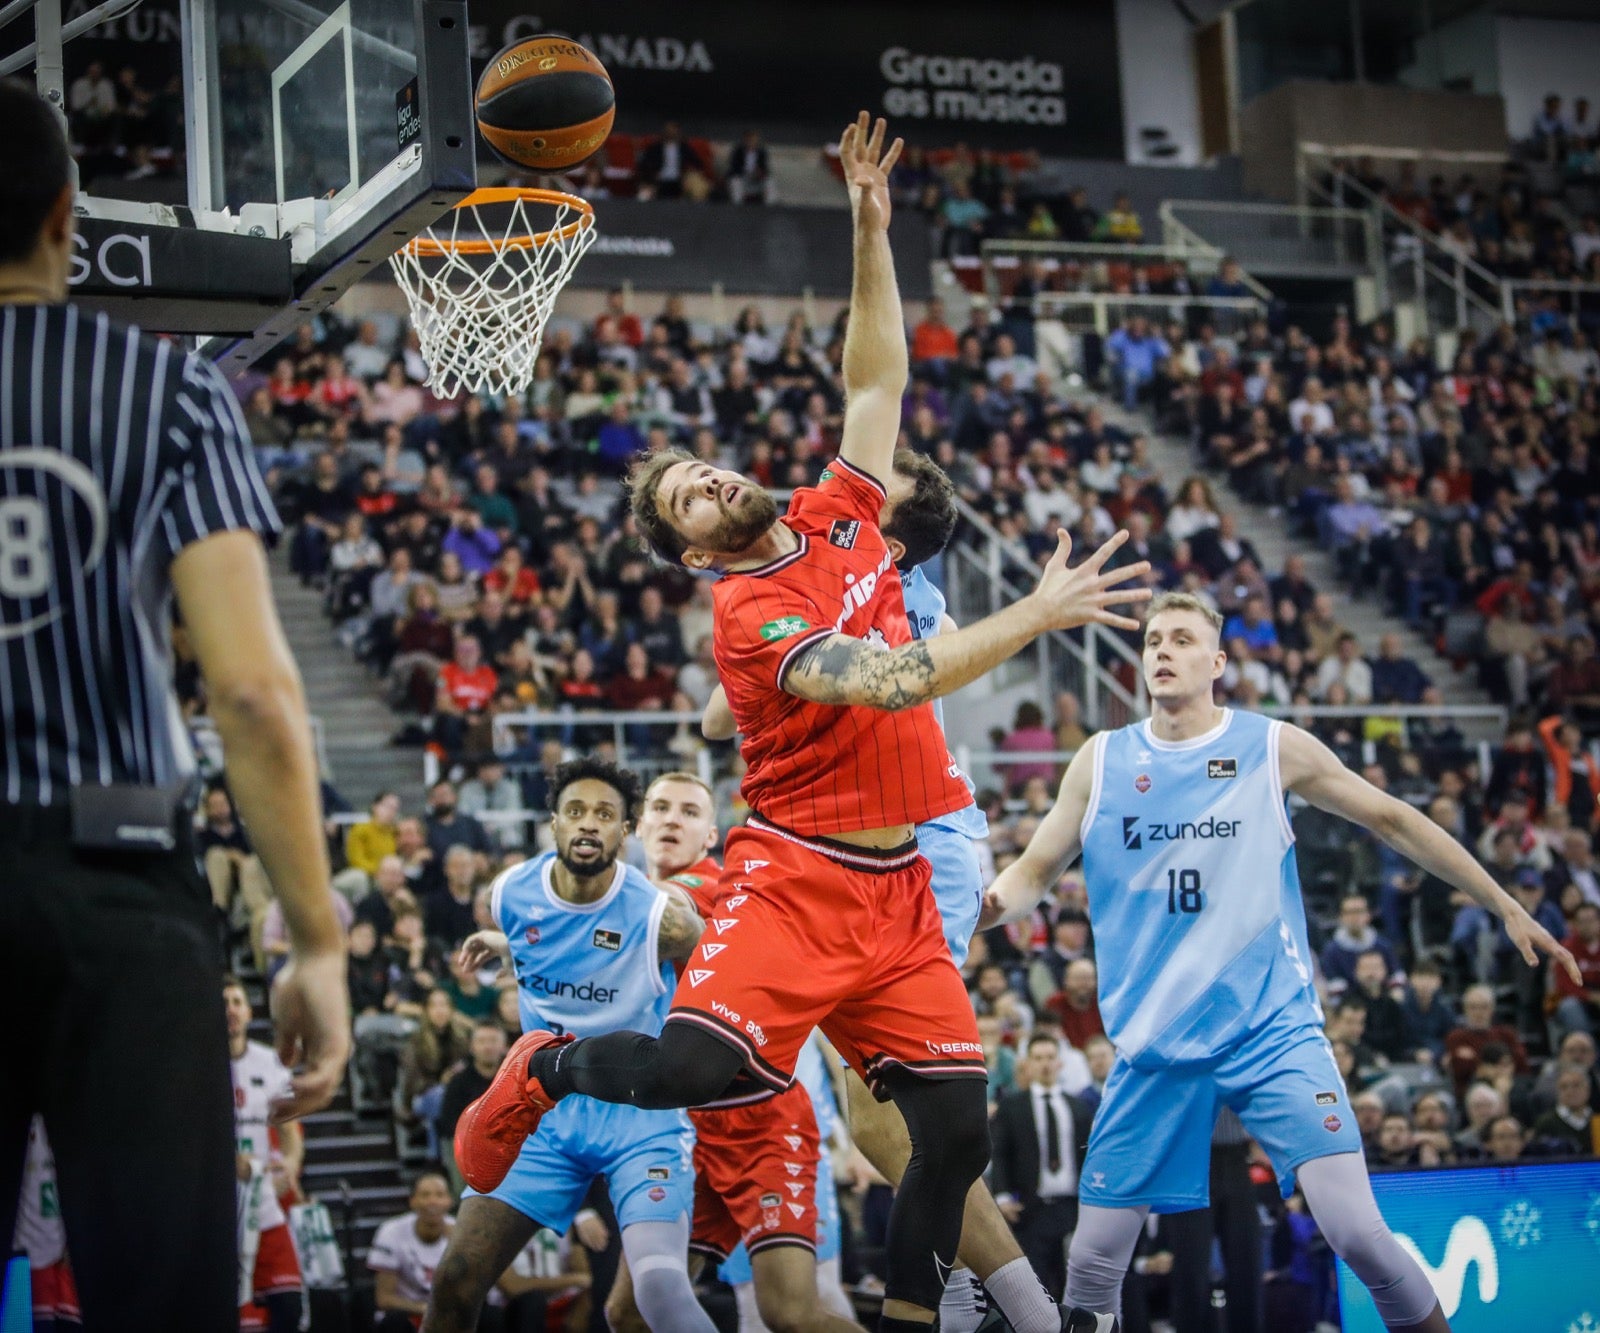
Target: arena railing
{"x":1096,"y":665}
{"x":1571,"y":297}
{"x":1450,"y":289}
{"x":1285,"y":237}
{"x":1482,"y":725}
{"x":1093,"y":304}
{"x":208,"y":746}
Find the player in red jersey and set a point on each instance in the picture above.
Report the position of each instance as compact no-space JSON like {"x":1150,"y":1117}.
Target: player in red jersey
{"x":755,"y":1166}
{"x":824,"y":915}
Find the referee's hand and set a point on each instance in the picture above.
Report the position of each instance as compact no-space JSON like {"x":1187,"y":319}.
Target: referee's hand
{"x":311,"y":1014}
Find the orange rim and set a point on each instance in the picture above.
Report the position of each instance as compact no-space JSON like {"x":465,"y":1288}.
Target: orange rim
{"x":431,"y":247}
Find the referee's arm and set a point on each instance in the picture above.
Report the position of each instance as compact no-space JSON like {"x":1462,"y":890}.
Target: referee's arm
{"x":259,"y":707}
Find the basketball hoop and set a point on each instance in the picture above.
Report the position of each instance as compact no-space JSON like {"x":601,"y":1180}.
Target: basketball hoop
{"x":481,"y":323}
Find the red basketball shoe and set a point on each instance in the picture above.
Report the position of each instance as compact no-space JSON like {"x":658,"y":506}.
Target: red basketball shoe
{"x":491,"y":1131}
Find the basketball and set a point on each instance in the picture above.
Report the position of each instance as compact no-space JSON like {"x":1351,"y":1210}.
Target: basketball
{"x":545,"y":103}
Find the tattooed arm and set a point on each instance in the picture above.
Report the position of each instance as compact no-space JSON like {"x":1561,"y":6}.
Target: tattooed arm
{"x":680,"y":928}
{"x":842,"y":670}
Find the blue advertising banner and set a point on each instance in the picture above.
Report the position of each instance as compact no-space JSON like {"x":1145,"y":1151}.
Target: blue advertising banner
{"x":1514,"y":1247}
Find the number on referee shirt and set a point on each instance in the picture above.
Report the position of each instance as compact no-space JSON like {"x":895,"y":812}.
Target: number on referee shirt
{"x":1183,"y":891}
{"x":24,"y":548}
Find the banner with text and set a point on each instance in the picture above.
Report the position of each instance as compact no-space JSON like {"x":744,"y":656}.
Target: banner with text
{"x":1009,"y":74}
{"x":669,"y":246}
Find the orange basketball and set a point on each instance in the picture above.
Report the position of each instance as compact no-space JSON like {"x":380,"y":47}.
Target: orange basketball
{"x":545,"y":103}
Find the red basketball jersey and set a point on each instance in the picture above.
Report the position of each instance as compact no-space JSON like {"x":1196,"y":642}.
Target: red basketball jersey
{"x":813,"y":768}
{"x":699,"y":881}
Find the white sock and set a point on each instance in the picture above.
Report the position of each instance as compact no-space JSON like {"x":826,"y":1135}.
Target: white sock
{"x":1022,"y":1299}
{"x":959,"y":1310}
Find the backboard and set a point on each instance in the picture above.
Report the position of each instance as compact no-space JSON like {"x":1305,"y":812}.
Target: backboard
{"x":319,"y":136}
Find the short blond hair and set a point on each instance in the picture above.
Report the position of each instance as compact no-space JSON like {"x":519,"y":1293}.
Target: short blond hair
{"x":1184,"y":601}
{"x":678,"y":775}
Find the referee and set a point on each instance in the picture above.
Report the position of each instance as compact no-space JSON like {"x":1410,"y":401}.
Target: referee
{"x":126,"y":477}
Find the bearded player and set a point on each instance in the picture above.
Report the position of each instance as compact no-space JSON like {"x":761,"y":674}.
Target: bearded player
{"x":917,"y":519}
{"x":756,"y":1167}
{"x":1188,"y":858}
{"x":837,"y":927}
{"x":593,"y":944}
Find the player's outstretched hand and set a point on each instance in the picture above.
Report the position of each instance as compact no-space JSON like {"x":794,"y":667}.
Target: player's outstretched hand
{"x":476,"y":950}
{"x":867,"y":167}
{"x":1073,"y":597}
{"x":310,"y":1004}
{"x":1531,"y":939}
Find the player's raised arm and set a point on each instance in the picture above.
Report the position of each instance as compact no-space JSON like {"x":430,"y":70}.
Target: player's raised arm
{"x":875,"y":360}
{"x":842,"y":670}
{"x":1054,"y":846}
{"x":1314,"y":772}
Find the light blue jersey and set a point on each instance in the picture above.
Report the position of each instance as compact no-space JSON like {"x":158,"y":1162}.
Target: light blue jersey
{"x":1188,"y":859}
{"x":947,"y":841}
{"x":588,"y":969}
{"x":1205,"y":987}
{"x":585,"y":968}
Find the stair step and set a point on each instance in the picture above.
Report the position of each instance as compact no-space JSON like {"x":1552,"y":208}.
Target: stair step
{"x":323,"y":1177}
{"x":362,"y":1146}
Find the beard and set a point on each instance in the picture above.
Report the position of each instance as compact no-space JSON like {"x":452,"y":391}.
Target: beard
{"x":588,"y":869}
{"x":742,"y":528}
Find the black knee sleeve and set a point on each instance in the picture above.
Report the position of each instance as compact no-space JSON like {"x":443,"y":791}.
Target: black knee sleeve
{"x":949,"y":1124}
{"x":684,"y":1066}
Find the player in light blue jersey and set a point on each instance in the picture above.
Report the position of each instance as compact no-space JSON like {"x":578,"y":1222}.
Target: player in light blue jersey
{"x":1205,"y":978}
{"x":917,"y":520}
{"x":592,"y":943}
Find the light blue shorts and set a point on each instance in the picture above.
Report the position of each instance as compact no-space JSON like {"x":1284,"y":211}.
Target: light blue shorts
{"x":957,"y":883}
{"x":1151,"y":1140}
{"x":736,"y":1267}
{"x":646,"y":1158}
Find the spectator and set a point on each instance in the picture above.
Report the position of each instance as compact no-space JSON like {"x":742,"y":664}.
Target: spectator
{"x":1505,"y":1139}
{"x":1028,"y":734}
{"x":466,"y":687}
{"x":406,"y":1252}
{"x":1076,"y":1004}
{"x":1577,"y":776}
{"x":1481,"y":1106}
{"x":1135,"y":353}
{"x":492,"y":789}
{"x":367,"y":843}
{"x":1354,"y":936}
{"x":488,"y":1048}
{"x":447,"y":911}
{"x":1385,"y":1030}
{"x":1396,"y":678}
{"x":1429,"y":1015}
{"x":436,"y":1050}
{"x":665,"y":165}
{"x":232,"y":868}
{"x":1348,"y":669}
{"x":1396,"y":1146}
{"x":1041,"y":1136}
{"x":1120,"y":224}
{"x":1571,"y":1123}
{"x":469,"y":997}
{"x":1464,"y":1047}
{"x":964,"y":216}
{"x":1578,"y":1005}
{"x":391,"y":891}
{"x":448,"y":827}
{"x":1573,"y":685}
{"x":749,"y":174}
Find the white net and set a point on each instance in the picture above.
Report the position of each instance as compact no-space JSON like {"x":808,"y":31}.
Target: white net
{"x":480,"y":292}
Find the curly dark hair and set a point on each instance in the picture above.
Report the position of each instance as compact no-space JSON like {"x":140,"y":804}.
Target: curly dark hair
{"x":924,"y":520}
{"x":644,"y":481}
{"x":624,"y":781}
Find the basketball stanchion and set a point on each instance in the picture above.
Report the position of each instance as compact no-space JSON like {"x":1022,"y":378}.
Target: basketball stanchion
{"x":481,"y":292}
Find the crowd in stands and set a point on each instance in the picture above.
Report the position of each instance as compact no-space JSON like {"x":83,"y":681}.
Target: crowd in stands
{"x":121,"y":129}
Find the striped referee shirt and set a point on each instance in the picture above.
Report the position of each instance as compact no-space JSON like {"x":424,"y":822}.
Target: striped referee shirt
{"x":116,"y":452}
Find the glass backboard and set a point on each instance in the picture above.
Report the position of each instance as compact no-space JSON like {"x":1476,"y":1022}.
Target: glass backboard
{"x":319,"y":136}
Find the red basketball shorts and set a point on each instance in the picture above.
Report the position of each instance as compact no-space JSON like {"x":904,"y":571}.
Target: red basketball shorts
{"x":755,"y":1176}
{"x":813,"y":933}
{"x":55,"y":1294}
